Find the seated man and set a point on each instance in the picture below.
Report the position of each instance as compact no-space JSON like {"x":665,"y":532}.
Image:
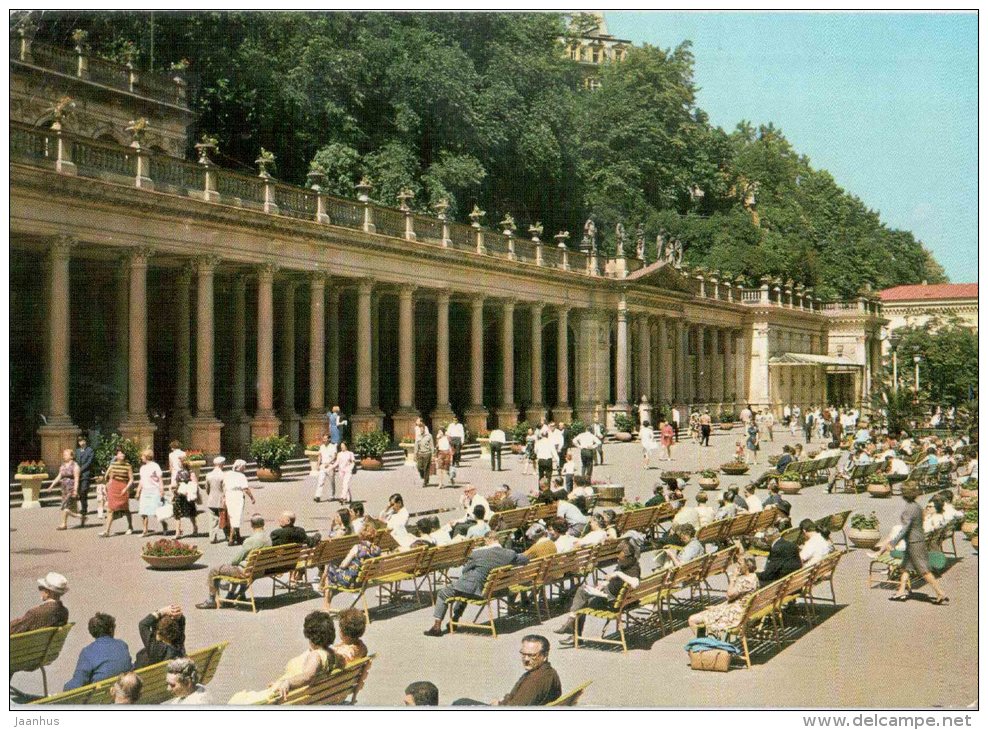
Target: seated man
{"x":470,"y":500}
{"x":542,"y":543}
{"x":684,"y":535}
{"x":781,"y":465}
{"x":127,"y":689}
{"x":575,"y":519}
{"x":235,"y":567}
{"x":559,"y":534}
{"x":688,"y":515}
{"x":783,"y":558}
{"x":704,"y":510}
{"x":657,"y":497}
{"x":182,"y":680}
{"x":773,"y":497}
{"x":421,"y":694}
{"x":538,"y":686}
{"x":581,"y":488}
{"x":502,"y":500}
{"x":480,"y":527}
{"x":50,"y":612}
{"x":752,"y":500}
{"x":106,"y":657}
{"x":602,"y":594}
{"x":474,"y":574}
{"x":288,"y":533}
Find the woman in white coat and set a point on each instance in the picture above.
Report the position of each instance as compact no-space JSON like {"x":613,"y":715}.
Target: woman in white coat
{"x":235,"y":491}
{"x":649,"y":443}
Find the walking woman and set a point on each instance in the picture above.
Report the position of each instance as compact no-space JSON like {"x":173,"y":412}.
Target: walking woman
{"x":186,"y":497}
{"x":118,"y":478}
{"x":150,"y":491}
{"x":68,"y":479}
{"x":751,"y":445}
{"x":915,"y":561}
{"x":344,"y":464}
{"x":444,"y":457}
{"x":235,"y":491}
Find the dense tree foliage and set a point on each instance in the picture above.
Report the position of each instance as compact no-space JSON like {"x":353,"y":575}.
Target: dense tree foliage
{"x":484,"y":107}
{"x":948,"y":368}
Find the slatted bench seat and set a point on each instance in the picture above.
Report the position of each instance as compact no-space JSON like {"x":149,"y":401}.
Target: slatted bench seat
{"x":621,"y":610}
{"x":385,"y":572}
{"x":32,"y":651}
{"x":266,"y":562}
{"x":571,"y":698}
{"x":339,"y":687}
{"x":503,"y":585}
{"x":886,"y":568}
{"x":438,"y":561}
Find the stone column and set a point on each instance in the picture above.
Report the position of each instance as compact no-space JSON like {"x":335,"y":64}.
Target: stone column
{"x":138,"y":426}
{"x":644,"y":358}
{"x":59,"y":432}
{"x":205,"y":428}
{"x":375,"y":351}
{"x":758,"y":369}
{"x":314,"y":423}
{"x":265,"y":422}
{"x":593,"y":364}
{"x":536,"y":409}
{"x":563,"y":409}
{"x":404,"y":419}
{"x":741,"y":368}
{"x":367,"y":418}
{"x":443,"y":413}
{"x":716,"y":368}
{"x":666,"y":372}
{"x":621,"y":404}
{"x":681,"y":355}
{"x":476,"y":414}
{"x":286,"y":365}
{"x":181,"y":415}
{"x":507,"y":412}
{"x":120,"y":352}
{"x":702,"y":366}
{"x":730,"y":389}
{"x":237,"y":433}
{"x":332,"y":348}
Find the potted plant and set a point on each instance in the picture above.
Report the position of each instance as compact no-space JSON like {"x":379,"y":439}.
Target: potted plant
{"x":518,"y":436}
{"x":370,"y":447}
{"x":969,"y":488}
{"x":30,"y":475}
{"x":167,"y":554}
{"x":196,"y":460}
{"x":709,"y":479}
{"x":271,"y":453}
{"x":864,"y":532}
{"x":734,"y":468}
{"x":312,"y":454}
{"x":623,"y":426}
{"x":970,"y":524}
{"x":727,"y":419}
{"x":878,"y":486}
{"x":789,"y":483}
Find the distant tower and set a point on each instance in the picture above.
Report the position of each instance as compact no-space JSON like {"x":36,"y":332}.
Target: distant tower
{"x":588,"y":43}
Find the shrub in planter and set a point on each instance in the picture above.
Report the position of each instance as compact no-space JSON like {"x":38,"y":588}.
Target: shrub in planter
{"x":576,"y":427}
{"x":878,"y":486}
{"x":970,"y":522}
{"x":709,"y":479}
{"x":789,"y":483}
{"x":170,"y":554}
{"x":622,"y":426}
{"x":370,"y":447}
{"x":31,"y":468}
{"x":271,"y":453}
{"x":520,"y":432}
{"x":734,"y":468}
{"x":864,"y":532}
{"x":969,"y":488}
{"x":107,"y":449}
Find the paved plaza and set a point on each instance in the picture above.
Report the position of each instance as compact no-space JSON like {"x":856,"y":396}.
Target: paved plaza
{"x":868,"y":652}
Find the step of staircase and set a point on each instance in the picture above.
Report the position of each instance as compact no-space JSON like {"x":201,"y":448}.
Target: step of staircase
{"x":294,"y":469}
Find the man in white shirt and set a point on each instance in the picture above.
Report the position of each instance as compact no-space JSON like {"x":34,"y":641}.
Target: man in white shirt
{"x":498,"y":439}
{"x":588,"y":444}
{"x":557,"y":529}
{"x":752,"y":500}
{"x":703,"y":510}
{"x":558,"y":440}
{"x":327,"y":454}
{"x":546,"y":457}
{"x":687,"y":515}
{"x":456,"y":436}
{"x":677,"y":419}
{"x":597,"y":429}
{"x":470,"y":499}
{"x":815,"y":547}
{"x":575,"y":519}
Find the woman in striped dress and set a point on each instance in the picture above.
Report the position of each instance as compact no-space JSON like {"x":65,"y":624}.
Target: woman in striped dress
{"x":118,"y":478}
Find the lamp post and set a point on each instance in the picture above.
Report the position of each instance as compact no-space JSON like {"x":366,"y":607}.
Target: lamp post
{"x":894,"y":346}
{"x":917,"y":359}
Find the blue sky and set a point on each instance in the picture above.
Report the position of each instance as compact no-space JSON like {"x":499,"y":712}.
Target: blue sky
{"x":886,"y":102}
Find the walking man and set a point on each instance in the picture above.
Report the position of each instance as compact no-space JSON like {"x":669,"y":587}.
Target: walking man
{"x":497,"y":439}
{"x":597,"y":429}
{"x":588,"y":444}
{"x":456,"y":436}
{"x":327,"y":455}
{"x":84,"y":458}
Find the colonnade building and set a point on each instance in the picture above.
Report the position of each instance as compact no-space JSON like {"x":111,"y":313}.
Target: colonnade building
{"x":170,"y":298}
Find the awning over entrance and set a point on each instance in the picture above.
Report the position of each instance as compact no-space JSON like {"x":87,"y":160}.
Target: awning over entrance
{"x":832,"y":364}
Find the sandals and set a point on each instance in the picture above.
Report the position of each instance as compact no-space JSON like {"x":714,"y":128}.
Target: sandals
{"x":62,"y":527}
{"x":940,"y":601}
{"x":899,"y":597}
{"x":103,"y":534}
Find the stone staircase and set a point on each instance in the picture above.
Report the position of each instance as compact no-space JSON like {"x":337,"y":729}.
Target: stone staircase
{"x":293,"y":470}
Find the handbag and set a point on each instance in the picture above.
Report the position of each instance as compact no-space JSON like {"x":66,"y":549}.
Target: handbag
{"x":165,"y":512}
{"x":710,"y":660}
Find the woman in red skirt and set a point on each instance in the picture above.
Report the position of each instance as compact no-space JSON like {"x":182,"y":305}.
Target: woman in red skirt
{"x":119,"y":476}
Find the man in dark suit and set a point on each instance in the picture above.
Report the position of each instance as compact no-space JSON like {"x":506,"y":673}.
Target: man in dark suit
{"x":472,"y":578}
{"x":84,"y":458}
{"x":288,"y":532}
{"x":783,"y":558}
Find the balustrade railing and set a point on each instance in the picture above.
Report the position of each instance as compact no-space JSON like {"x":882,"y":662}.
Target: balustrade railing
{"x":295,"y":202}
{"x":428,"y":229}
{"x":463,"y":237}
{"x":248,"y":190}
{"x":345,"y":213}
{"x":389,"y":222}
{"x":60,"y":60}
{"x":95,"y":159}
{"x":30,"y":143}
{"x":180,"y":176}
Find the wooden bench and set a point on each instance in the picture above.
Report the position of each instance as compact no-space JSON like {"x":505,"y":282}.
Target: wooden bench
{"x":639,"y":520}
{"x":622,"y":609}
{"x":511,"y":519}
{"x":154,"y":690}
{"x":606,"y":555}
{"x":503,"y":584}
{"x":571,"y":698}
{"x":438,"y":561}
{"x":266,"y":562}
{"x":327,"y":552}
{"x":856,"y":479}
{"x":886,"y":568}
{"x":339,"y":687}
{"x":572,"y":566}
{"x":759,"y":606}
{"x":385,"y":572}
{"x":836,"y":523}
{"x":34,"y":650}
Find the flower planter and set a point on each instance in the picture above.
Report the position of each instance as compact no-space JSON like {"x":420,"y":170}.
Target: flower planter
{"x":623,"y":436}
{"x":268,"y":474}
{"x":734,"y":469}
{"x":866,"y":539}
{"x":968,"y":528}
{"x":313,"y":457}
{"x":30,"y":489}
{"x":967,"y":492}
{"x":708,"y":482}
{"x":787,"y":486}
{"x":725,"y":426}
{"x":612,"y":494}
{"x":369,"y":463}
{"x":880,"y":490}
{"x":170,"y":562}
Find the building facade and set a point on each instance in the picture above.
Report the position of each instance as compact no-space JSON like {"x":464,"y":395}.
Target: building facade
{"x":168,"y":298}
{"x":917,"y":304}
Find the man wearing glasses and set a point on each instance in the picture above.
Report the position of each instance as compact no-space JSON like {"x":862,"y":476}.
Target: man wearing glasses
{"x":539,"y":685}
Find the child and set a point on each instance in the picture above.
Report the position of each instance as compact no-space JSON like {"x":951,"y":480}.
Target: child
{"x":739,"y":451}
{"x":568,"y":471}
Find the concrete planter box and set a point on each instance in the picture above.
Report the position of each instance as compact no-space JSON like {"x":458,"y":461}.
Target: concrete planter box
{"x":30,"y":489}
{"x":866,"y":539}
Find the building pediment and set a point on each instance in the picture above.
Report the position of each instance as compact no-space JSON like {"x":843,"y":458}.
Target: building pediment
{"x":661,"y":275}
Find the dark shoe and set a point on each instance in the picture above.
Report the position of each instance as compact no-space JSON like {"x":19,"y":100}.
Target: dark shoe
{"x":316,"y":500}
{"x":567,"y":641}
{"x":434,"y":632}
{"x":566,"y":628}
{"x":207,"y":604}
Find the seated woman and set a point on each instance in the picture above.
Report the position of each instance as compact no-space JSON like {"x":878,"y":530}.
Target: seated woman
{"x":716,"y":619}
{"x":351,"y":647}
{"x":933,"y":516}
{"x":318,"y":659}
{"x":596,"y":532}
{"x":342,"y":524}
{"x":163,"y":636}
{"x":346,"y":573}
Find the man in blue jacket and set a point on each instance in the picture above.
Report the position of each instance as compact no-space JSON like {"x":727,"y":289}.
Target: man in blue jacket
{"x":106,"y":657}
{"x":84,"y":458}
{"x":471,"y":581}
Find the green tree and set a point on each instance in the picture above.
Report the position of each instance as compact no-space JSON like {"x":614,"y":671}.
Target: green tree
{"x":949,"y":360}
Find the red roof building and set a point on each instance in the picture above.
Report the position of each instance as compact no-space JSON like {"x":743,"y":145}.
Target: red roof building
{"x":916,"y":304}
